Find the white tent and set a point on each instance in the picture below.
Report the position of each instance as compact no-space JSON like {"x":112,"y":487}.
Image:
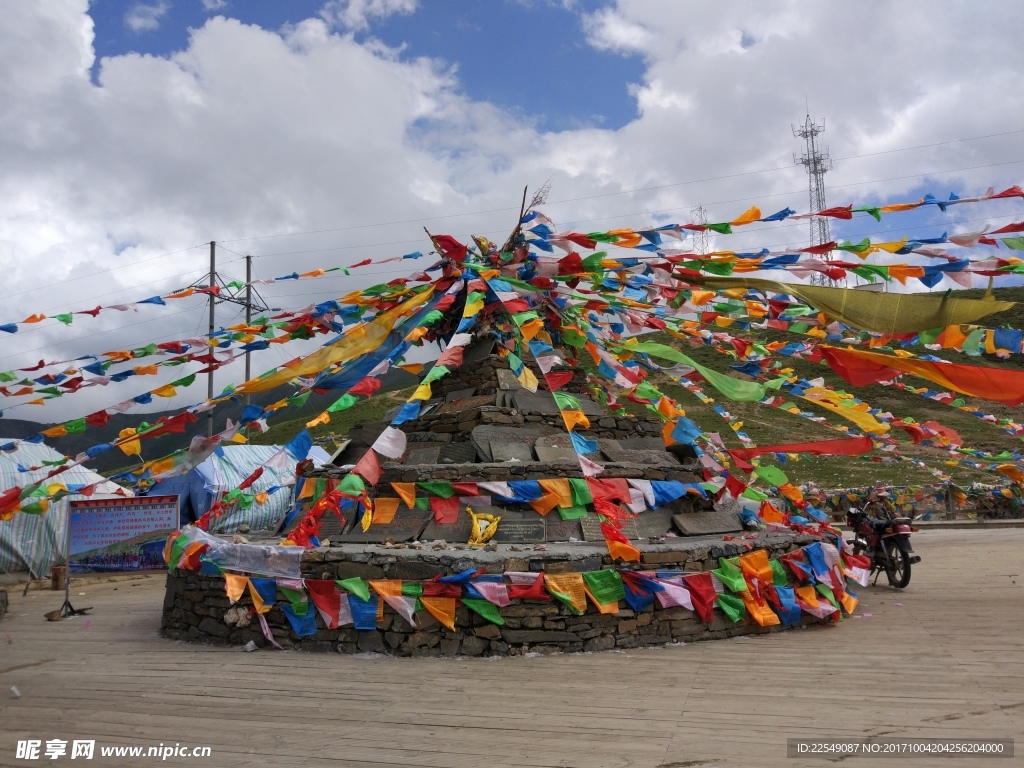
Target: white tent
{"x":225,"y":470}
{"x":35,"y":543}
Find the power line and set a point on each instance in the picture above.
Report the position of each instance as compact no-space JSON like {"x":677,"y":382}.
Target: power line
{"x":611,"y":194}
{"x":103,"y":271}
{"x":609,"y":216}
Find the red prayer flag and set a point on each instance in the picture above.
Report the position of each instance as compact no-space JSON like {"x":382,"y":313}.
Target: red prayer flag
{"x":366,"y":387}
{"x":446,"y":511}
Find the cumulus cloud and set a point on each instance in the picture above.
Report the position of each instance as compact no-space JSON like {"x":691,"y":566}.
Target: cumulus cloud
{"x":145,"y":18}
{"x":110,"y":190}
{"x":214,"y":5}
{"x":608,"y":30}
{"x":356,"y":15}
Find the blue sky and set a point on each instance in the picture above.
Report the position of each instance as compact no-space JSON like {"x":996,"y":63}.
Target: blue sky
{"x":526,"y":56}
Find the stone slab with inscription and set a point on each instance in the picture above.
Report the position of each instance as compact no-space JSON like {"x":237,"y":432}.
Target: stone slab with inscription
{"x":459,"y":394}
{"x":457,"y":453}
{"x":557,"y":529}
{"x":457,"y":406}
{"x":407,"y":525}
{"x":723,"y":519}
{"x":424,"y":453}
{"x":484,"y":435}
{"x":511,"y":452}
{"x":507,"y":380}
{"x":543,"y":403}
{"x":554,"y":449}
{"x":649,"y":524}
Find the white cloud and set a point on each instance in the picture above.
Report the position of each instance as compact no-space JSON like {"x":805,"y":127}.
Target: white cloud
{"x":607,"y":30}
{"x":356,"y":15}
{"x":146,"y":18}
{"x":214,"y":5}
{"x":252,"y":132}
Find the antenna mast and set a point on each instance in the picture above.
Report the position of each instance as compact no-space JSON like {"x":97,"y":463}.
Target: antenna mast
{"x":817,"y":163}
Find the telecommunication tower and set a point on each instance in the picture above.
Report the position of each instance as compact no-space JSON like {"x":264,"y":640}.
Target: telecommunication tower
{"x":699,"y":215}
{"x":817,"y":163}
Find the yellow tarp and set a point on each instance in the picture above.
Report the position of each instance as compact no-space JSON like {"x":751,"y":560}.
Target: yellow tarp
{"x":881,"y":312}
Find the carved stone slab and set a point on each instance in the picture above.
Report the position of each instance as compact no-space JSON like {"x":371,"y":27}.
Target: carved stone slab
{"x":424,"y":453}
{"x":554,"y":449}
{"x":459,"y":394}
{"x":614,"y":452}
{"x":485,"y":435}
{"x":407,"y":525}
{"x":543,"y":403}
{"x":710,"y":521}
{"x":478,"y":351}
{"x":511,"y":452}
{"x":455,"y":406}
{"x":557,"y":529}
{"x":429,"y":437}
{"x":458,"y":453}
{"x":507,"y":380}
{"x":652,"y":523}
{"x":521,"y":531}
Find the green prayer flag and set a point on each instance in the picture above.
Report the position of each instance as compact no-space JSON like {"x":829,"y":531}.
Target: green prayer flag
{"x":565,"y":600}
{"x":486,"y":609}
{"x":753,"y":493}
{"x":647,"y":391}
{"x":412,"y":588}
{"x":730,"y":574}
{"x":731,"y":606}
{"x":580,"y":491}
{"x":605,"y":585}
{"x":75,"y":426}
{"x":296,"y":598}
{"x":435,"y":373}
{"x":442,"y":488}
{"x":299,"y":400}
{"x":735,"y":389}
{"x":65,"y":318}
{"x":826,"y":591}
{"x":593,"y":262}
{"x":342,"y":403}
{"x":723,"y":228}
{"x":423,"y":502}
{"x":772,"y":475}
{"x":566,"y":402}
{"x":177,"y":550}
{"x":356,"y":586}
{"x":573,"y":337}
{"x":779,"y":577}
{"x":431,"y":317}
{"x":184,"y":381}
{"x":352,"y":484}
{"x":572,"y":513}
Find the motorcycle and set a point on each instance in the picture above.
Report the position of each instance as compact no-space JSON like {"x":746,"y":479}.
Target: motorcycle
{"x":887,"y":542}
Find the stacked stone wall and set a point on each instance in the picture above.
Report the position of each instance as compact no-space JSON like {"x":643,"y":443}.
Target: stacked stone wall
{"x":196,"y":607}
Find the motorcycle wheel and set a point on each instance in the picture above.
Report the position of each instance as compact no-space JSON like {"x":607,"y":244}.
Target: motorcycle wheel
{"x":898,"y":570}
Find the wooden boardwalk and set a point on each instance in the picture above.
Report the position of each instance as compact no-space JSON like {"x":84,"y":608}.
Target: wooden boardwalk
{"x":944,"y":658}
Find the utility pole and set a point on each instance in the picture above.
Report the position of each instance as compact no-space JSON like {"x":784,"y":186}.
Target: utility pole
{"x":209,"y":376}
{"x":817,"y":163}
{"x":221,"y":292}
{"x":248,"y":310}
{"x":699,"y":215}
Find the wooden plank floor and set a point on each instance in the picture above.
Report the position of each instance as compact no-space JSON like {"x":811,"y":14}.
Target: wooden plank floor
{"x":944,"y":658}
